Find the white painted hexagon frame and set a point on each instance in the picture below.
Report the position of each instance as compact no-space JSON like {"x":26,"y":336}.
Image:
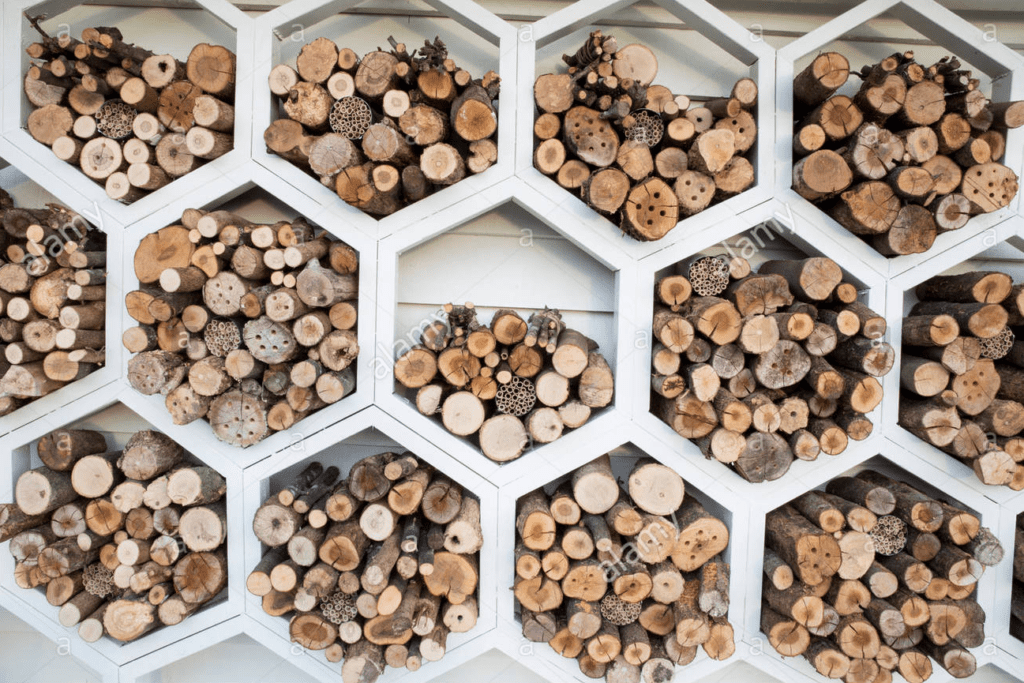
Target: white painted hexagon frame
{"x":13,"y":114}
{"x":710,"y":22}
{"x":811,"y":241}
{"x":719,"y":501}
{"x":273,"y":631}
{"x":110,"y":371}
{"x":199,"y":432}
{"x":1009,"y":653}
{"x":1011,"y":228}
{"x":393,"y":246}
{"x":946,"y":29}
{"x":32,"y":603}
{"x":889,"y":461}
{"x":307,"y":12}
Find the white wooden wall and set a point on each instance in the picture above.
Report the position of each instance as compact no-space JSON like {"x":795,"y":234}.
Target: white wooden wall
{"x":504,"y":257}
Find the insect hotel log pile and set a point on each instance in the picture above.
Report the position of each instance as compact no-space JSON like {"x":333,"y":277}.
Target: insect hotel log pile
{"x":52,"y":285}
{"x":511,"y":383}
{"x":132,"y":120}
{"x":387,"y":129}
{"x":634,"y":151}
{"x":759,"y":369}
{"x":962,"y":372}
{"x":376,"y":568}
{"x":913,"y":153}
{"x":249,"y":326}
{"x":122,"y":541}
{"x":872,"y":577}
{"x":628,"y":583}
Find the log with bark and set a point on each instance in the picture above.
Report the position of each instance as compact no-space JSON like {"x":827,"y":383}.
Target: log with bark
{"x":125,"y":562}
{"x":156,"y":118}
{"x":916,"y":152}
{"x":873,"y":599}
{"x":514,"y":383}
{"x":760,"y":369}
{"x":251,"y":327}
{"x":386,"y":129}
{"x":383,"y":559}
{"x":639,"y":566}
{"x":962,"y":372}
{"x":632,"y":150}
{"x":52,"y":285}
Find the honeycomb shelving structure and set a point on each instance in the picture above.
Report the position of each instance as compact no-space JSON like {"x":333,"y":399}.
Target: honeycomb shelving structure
{"x":477,"y":39}
{"x":997,"y":248}
{"x":260,"y":196}
{"x":950,"y":34}
{"x":598,"y":282}
{"x":215,"y":21}
{"x":766,"y":231}
{"x":369,"y":432}
{"x":624,"y":450}
{"x":465,"y":235}
{"x":28,"y":193}
{"x":897,"y":463}
{"x":720,"y":44}
{"x":116,"y":415}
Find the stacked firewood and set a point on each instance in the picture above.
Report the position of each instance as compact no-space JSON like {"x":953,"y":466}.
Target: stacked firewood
{"x":634,"y":151}
{"x":122,"y":541}
{"x":53,"y":291}
{"x":249,"y":326}
{"x":914,"y":153}
{"x":386,"y":130}
{"x":873,"y":576}
{"x":628,"y":583}
{"x":962,"y":372}
{"x":377,"y":568}
{"x":1017,"y":599}
{"x":132,"y":120}
{"x":515,"y":383}
{"x":759,"y":369}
